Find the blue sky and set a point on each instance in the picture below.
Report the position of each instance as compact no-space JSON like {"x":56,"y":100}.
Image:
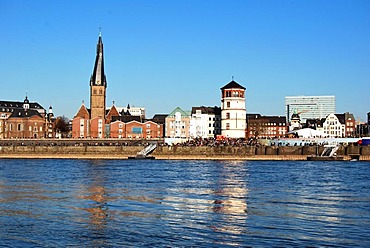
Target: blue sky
{"x":163,"y":54}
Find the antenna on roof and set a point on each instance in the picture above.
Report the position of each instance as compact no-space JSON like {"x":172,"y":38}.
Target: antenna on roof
{"x":99,"y":31}
{"x":232,"y":77}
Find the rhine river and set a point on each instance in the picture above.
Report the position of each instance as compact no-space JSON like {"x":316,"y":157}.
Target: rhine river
{"x":164,"y":203}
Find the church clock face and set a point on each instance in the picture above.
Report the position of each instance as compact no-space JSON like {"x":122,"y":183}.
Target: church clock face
{"x":98,"y":82}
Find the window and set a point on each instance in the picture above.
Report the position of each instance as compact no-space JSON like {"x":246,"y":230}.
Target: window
{"x":19,"y":127}
{"x":227,"y":115}
{"x":228,"y":104}
{"x":137,"y":130}
{"x":227,"y":126}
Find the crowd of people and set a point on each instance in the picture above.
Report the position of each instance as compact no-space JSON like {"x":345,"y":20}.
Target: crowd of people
{"x":213,"y":142}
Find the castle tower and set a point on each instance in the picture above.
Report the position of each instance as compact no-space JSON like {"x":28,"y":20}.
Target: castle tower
{"x":233,"y":111}
{"x":98,"y":84}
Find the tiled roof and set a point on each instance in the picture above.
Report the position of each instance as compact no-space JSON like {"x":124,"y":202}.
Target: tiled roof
{"x":182,"y":112}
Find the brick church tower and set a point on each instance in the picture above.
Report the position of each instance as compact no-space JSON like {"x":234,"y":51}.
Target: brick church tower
{"x":90,"y":123}
{"x":98,"y":84}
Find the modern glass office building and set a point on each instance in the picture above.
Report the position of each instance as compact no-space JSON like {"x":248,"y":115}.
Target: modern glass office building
{"x":309,"y":107}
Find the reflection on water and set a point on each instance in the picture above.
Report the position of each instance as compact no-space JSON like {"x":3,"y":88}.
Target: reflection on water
{"x":183,"y":203}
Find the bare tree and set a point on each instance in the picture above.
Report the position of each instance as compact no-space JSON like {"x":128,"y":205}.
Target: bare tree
{"x":61,"y":125}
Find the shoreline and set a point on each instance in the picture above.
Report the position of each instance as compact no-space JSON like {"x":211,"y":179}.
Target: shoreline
{"x":168,"y":157}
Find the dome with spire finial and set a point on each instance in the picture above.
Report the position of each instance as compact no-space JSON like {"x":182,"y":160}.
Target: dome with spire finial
{"x":295,"y":116}
{"x":26,"y":103}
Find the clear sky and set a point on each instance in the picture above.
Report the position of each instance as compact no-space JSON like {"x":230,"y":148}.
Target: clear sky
{"x":163,"y":54}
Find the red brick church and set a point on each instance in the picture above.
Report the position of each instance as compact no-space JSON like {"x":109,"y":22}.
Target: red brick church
{"x":100,"y":122}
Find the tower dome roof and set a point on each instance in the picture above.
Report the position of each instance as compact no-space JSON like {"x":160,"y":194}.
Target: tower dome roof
{"x":233,"y":85}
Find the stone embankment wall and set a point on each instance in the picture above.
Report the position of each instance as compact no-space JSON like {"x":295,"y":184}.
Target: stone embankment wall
{"x":178,"y":152}
{"x":262,"y":152}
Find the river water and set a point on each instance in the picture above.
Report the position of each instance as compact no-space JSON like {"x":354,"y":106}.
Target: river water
{"x":160,"y":203}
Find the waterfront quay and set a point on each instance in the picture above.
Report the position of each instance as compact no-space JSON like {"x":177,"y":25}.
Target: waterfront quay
{"x":122,"y":149}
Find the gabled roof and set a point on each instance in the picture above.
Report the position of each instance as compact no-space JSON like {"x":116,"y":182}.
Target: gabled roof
{"x":233,"y":85}
{"x":341,"y":118}
{"x":112,"y":112}
{"x":83,"y":112}
{"x":182,"y":112}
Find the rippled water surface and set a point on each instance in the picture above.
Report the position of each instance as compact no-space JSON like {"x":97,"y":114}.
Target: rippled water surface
{"x":118,"y":203}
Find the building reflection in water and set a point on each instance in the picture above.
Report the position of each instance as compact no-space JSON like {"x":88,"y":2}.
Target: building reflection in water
{"x":95,"y":198}
{"x":221,"y":203}
{"x":231,"y":197}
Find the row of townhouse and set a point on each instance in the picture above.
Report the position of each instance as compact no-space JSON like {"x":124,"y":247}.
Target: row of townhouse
{"x":116,"y":124}
{"x":333,"y":126}
{"x":200,"y":122}
{"x":205,"y":122}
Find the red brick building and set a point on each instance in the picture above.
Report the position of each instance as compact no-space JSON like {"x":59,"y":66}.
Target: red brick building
{"x":98,"y":122}
{"x":135,"y":129}
{"x":266,"y":126}
{"x":25,"y":120}
{"x":90,"y":123}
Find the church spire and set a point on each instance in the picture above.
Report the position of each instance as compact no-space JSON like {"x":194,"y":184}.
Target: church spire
{"x":98,"y":76}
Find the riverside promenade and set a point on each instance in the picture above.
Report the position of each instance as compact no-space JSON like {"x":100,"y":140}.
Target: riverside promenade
{"x":120,"y":149}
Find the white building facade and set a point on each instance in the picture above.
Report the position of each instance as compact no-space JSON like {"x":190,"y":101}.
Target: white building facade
{"x":233,"y":111}
{"x":205,"y":122}
{"x":178,"y":124}
{"x":333,"y":127}
{"x":309,"y":107}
